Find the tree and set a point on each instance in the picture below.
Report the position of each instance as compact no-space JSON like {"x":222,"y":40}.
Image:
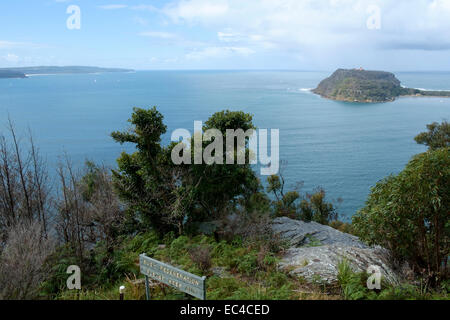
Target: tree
{"x":315,"y":208}
{"x":165,"y":196}
{"x":438,"y":136}
{"x":24,"y":184}
{"x":23,"y":265}
{"x":145,"y":179}
{"x":285,"y":204}
{"x":221,"y":185}
{"x":409,"y":213}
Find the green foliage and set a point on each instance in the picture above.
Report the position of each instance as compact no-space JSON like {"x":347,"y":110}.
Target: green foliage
{"x":222,"y":185}
{"x":342,"y":226}
{"x":285,"y":204}
{"x":353,"y":285}
{"x":315,"y":208}
{"x":89,"y":180}
{"x":142,"y":177}
{"x":61,"y":259}
{"x":437,"y":136}
{"x":277,"y":287}
{"x":409,"y":213}
{"x":165,"y":196}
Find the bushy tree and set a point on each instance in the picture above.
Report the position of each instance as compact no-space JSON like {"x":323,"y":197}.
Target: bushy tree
{"x":314,"y":207}
{"x":309,"y":207}
{"x":285,"y":204}
{"x":409,"y":213}
{"x":222,"y":184}
{"x":145,"y":179}
{"x":437,"y":136}
{"x":166,"y":196}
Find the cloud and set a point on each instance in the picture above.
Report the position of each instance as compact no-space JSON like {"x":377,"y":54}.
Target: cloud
{"x":10,"y":57}
{"x":11,"y":44}
{"x":113,"y":6}
{"x":140,"y":21}
{"x":158,"y":34}
{"x":293,"y":25}
{"x":145,"y":7}
{"x":218,"y":52}
{"x":230,"y":36}
{"x":414,"y":44}
{"x":196,"y":10}
{"x":14,"y":44}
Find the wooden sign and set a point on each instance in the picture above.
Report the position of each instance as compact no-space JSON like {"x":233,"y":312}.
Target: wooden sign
{"x":176,"y":278}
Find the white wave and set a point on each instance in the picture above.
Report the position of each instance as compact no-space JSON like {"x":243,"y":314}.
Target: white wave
{"x":41,"y":74}
{"x":423,"y":89}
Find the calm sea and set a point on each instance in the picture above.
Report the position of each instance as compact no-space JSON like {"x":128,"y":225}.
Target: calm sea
{"x":343,"y":147}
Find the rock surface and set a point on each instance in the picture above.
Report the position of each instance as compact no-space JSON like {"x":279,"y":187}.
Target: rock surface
{"x":299,"y":233}
{"x":316,"y":250}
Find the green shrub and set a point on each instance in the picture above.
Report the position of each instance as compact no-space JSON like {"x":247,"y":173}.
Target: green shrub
{"x":352,"y":284}
{"x":248,"y":264}
{"x":409,"y":214}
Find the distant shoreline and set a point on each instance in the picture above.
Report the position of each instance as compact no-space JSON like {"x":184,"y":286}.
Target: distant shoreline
{"x":10,"y":73}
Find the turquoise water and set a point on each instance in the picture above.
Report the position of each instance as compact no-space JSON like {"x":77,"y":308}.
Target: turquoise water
{"x":344,"y":147}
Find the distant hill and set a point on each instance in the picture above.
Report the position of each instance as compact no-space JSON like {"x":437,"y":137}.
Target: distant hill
{"x":358,"y":85}
{"x":23,"y":72}
{"x":6,"y":73}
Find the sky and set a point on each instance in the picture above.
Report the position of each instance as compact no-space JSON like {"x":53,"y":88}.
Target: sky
{"x":393,"y":35}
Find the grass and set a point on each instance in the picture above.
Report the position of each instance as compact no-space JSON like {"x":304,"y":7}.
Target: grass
{"x":353,"y":287}
{"x":235,"y":271}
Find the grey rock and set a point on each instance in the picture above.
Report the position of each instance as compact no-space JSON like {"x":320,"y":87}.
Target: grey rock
{"x":300,"y":233}
{"x":321,"y":261}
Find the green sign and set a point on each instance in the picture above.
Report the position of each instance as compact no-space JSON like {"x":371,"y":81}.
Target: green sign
{"x":176,"y":278}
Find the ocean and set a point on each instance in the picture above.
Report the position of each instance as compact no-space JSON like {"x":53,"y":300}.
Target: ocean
{"x":343,"y":147}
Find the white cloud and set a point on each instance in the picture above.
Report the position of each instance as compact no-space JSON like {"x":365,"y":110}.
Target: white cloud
{"x":230,"y":36}
{"x":218,"y":52}
{"x":10,"y":57}
{"x":140,"y":21}
{"x":300,"y":25}
{"x":196,"y":10}
{"x":158,"y":34}
{"x":14,"y":44}
{"x":145,"y":7}
{"x":113,"y":6}
{"x":10,"y":44}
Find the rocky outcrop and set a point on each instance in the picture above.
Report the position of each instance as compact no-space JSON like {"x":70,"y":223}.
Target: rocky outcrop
{"x":299,"y":233}
{"x":316,"y":251}
{"x":358,"y":85}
